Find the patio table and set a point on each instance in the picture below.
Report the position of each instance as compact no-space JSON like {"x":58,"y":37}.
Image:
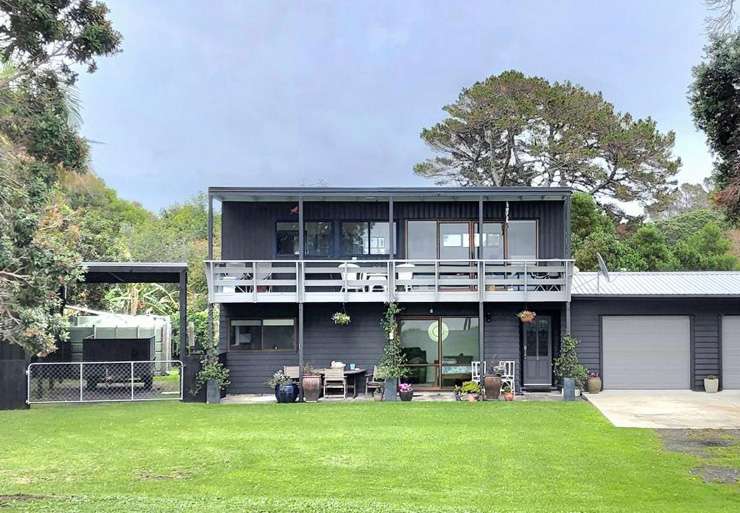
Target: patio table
{"x":354,"y":374}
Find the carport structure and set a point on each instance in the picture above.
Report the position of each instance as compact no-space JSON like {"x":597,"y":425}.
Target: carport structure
{"x":13,"y":383}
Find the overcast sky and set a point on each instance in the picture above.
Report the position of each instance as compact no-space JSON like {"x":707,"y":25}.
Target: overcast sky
{"x":299,"y":93}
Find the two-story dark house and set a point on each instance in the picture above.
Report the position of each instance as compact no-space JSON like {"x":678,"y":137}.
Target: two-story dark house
{"x":461,"y":262}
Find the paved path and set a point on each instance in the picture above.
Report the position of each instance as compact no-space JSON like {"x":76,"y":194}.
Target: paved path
{"x":669,"y":409}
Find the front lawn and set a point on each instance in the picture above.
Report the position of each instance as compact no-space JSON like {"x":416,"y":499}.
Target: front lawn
{"x":343,"y":457}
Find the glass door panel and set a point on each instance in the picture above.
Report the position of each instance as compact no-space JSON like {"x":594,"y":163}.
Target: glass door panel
{"x":421,"y":239}
{"x":420,"y":344}
{"x":459,"y":340}
{"x":454,"y":241}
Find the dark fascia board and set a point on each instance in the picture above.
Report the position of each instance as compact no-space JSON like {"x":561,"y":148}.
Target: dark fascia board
{"x":384,"y":193}
{"x":133,"y":272}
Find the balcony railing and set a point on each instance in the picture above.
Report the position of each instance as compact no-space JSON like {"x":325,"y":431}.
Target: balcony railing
{"x":362,"y":281}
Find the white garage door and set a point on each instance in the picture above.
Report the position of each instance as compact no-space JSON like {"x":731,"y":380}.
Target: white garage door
{"x":646,"y":352}
{"x":731,"y":352}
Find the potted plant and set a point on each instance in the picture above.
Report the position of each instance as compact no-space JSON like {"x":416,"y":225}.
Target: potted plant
{"x":392,"y":364}
{"x":567,"y":367}
{"x":471,"y":390}
{"x":526,"y":316}
{"x":508,"y":393}
{"x":212,"y":374}
{"x":492,"y":384}
{"x":285,"y":390}
{"x":341,"y":318}
{"x":711,"y":384}
{"x":311,"y":383}
{"x":406,"y":391}
{"x":593,"y":383}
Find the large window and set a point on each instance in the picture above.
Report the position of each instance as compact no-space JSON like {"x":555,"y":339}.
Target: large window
{"x":263,"y":334}
{"x":317,"y":238}
{"x":450,"y":240}
{"x":522,"y":239}
{"x":365,"y":238}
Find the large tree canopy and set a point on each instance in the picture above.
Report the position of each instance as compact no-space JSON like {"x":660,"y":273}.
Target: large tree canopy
{"x":715,"y":103}
{"x":40,"y":145}
{"x":512,"y":129}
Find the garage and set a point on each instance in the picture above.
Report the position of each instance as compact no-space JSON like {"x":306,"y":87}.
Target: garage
{"x":646,"y":352}
{"x":731,"y":352}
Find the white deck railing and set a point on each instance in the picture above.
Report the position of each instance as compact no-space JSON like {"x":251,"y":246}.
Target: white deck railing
{"x":329,"y":281}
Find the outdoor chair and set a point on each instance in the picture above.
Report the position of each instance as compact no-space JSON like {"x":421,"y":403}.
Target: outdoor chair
{"x":292,"y":371}
{"x":349,"y":276}
{"x":475,"y":371}
{"x":334,"y":379}
{"x":508,"y":373}
{"x":371,"y":382}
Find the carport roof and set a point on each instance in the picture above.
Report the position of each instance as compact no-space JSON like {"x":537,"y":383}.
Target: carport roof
{"x":658,"y":284}
{"x":133,"y":272}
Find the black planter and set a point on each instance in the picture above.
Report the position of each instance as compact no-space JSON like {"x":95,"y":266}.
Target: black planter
{"x":406,"y":396}
{"x":286,"y":393}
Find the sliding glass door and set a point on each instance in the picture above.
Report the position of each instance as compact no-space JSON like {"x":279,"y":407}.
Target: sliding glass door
{"x":454,"y":338}
{"x":459,"y":240}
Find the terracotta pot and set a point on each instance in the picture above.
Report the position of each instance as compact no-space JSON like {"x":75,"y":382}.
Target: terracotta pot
{"x":593,"y":385}
{"x":471,"y":398}
{"x":492,"y":386}
{"x":311,"y":387}
{"x":509,"y":396}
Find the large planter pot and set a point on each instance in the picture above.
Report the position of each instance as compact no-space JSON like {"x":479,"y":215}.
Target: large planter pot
{"x":311,"y":388}
{"x":711,"y":386}
{"x":508,"y":396}
{"x":569,"y":389}
{"x":213,"y":392}
{"x":492,"y":386}
{"x":287,"y":393}
{"x":593,"y":385}
{"x":406,"y":396}
{"x":389,"y":389}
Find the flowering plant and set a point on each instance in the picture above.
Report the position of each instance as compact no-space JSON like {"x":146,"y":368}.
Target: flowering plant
{"x":592,"y":373}
{"x":526,"y":316}
{"x":341,"y":319}
{"x":405,"y":387}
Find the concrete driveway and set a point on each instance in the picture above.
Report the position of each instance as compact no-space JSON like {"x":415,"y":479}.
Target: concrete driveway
{"x":669,"y":409}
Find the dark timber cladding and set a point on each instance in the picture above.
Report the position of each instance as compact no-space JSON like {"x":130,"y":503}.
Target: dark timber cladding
{"x":361,"y":342}
{"x":705,"y":315}
{"x":248,"y":229}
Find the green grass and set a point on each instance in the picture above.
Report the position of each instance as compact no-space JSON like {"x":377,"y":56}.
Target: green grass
{"x":356,"y":457}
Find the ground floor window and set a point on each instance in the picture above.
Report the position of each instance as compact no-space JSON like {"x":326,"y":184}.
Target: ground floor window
{"x":440,"y":350}
{"x":263,"y":334}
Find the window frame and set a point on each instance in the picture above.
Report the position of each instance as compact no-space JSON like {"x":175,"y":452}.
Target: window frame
{"x":332,"y":239}
{"x":261,"y":320}
{"x":366,"y":222}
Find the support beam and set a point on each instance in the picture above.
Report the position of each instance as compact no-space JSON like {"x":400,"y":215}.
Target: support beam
{"x":300,"y":352}
{"x":210,"y":257}
{"x":567,"y":318}
{"x":301,"y":228}
{"x":183,"y":289}
{"x":391,"y":231}
{"x":482,"y":289}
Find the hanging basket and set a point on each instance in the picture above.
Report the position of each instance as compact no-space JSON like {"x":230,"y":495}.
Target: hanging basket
{"x":341,"y":319}
{"x":527,"y":316}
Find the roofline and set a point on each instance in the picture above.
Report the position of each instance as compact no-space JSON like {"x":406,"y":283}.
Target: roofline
{"x":383,"y":193}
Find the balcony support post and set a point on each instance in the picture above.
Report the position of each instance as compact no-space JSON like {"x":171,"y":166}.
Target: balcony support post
{"x":301,"y":256}
{"x":481,"y":291}
{"x":211,"y":270}
{"x":391,"y":253}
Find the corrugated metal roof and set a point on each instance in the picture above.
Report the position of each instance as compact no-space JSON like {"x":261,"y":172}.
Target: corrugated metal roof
{"x":658,"y":284}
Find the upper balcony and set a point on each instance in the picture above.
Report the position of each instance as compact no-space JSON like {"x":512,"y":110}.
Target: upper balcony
{"x":362,"y":281}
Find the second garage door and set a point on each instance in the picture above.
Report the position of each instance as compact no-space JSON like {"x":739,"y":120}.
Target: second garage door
{"x":646,"y":352}
{"x":731,"y":352}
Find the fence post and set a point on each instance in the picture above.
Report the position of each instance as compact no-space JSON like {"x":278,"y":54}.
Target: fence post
{"x":81,"y":364}
{"x":132,"y":381}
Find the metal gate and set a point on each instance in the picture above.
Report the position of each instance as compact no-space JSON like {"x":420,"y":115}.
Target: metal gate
{"x":82,"y":382}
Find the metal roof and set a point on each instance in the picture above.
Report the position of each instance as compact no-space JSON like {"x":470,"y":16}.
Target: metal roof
{"x":383,"y":193}
{"x":657,"y":284}
{"x":134,"y":272}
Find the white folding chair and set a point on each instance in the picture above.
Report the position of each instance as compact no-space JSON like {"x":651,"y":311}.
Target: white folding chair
{"x":349,"y":276}
{"x":475,"y":371}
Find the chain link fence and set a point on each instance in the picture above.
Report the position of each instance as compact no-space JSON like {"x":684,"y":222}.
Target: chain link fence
{"x":81,"y":382}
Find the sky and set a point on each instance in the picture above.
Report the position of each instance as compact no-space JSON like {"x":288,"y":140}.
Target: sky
{"x":287,"y":93}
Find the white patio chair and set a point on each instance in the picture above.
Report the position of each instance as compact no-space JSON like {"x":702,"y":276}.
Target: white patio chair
{"x":405,"y":272}
{"x":475,"y":371}
{"x":292,"y":371}
{"x":508,"y":373}
{"x":348,"y":275}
